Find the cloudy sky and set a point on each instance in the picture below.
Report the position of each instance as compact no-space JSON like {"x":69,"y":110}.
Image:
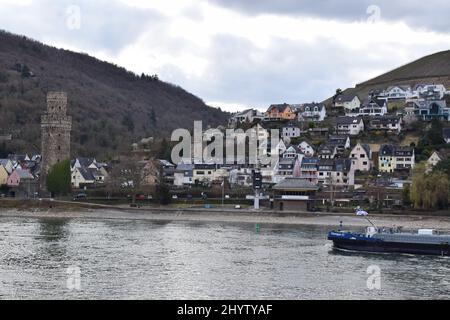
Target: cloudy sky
{"x":242,"y":53}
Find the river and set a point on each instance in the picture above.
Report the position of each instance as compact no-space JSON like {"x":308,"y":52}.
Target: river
{"x":123,"y":259}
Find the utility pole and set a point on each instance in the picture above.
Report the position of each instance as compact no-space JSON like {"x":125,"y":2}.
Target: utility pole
{"x":223,"y":191}
{"x":330,"y":179}
{"x":257,"y":178}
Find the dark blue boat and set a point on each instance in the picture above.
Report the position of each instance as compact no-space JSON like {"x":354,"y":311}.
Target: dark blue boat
{"x":425,"y":241}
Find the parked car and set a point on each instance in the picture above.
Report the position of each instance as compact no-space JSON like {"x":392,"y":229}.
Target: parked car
{"x":80,"y":196}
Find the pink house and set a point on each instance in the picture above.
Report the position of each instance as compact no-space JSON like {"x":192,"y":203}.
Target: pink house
{"x":18,"y":176}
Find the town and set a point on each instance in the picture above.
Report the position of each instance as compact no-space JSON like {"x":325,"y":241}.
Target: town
{"x":347,"y":152}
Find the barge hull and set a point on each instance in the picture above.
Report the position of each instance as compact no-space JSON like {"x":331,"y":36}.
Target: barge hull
{"x":393,"y":247}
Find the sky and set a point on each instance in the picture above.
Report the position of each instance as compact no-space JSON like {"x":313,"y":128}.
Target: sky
{"x":238,"y":54}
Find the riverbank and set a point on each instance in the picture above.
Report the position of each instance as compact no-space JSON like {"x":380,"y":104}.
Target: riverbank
{"x":234,"y":216}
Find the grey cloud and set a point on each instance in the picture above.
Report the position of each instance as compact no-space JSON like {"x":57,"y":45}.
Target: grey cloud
{"x":432,"y":14}
{"x":105,"y":25}
{"x":287,"y":71}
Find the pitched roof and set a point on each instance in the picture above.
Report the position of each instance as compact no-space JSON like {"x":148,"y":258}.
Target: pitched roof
{"x":365,"y":146}
{"x":446,"y":133}
{"x":310,"y":160}
{"x":403,"y":87}
{"x":85,"y":162}
{"x":96,"y":172}
{"x":279,"y":107}
{"x":378,"y":101}
{"x":312,"y":105}
{"x":166,"y":163}
{"x":348,"y":120}
{"x":4,"y":162}
{"x":291,"y":125}
{"x":295,"y":184}
{"x":385,"y":120}
{"x":17,"y":157}
{"x":86,"y":174}
{"x":391,"y":150}
{"x":24,"y":174}
{"x":185,"y":167}
{"x":345,"y":98}
{"x":342,"y":165}
{"x":327,"y":148}
{"x":296,"y":148}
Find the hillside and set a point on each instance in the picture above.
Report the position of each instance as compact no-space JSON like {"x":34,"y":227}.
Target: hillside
{"x":111,"y":107}
{"x":434,"y":68}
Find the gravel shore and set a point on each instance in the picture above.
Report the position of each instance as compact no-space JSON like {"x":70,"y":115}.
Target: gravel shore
{"x":321,"y":219}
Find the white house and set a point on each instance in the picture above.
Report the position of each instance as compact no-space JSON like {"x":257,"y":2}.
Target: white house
{"x":349,"y":102}
{"x":293,"y":152}
{"x":327,"y":151}
{"x":183,"y":175}
{"x":435,"y":91}
{"x":433,"y":160}
{"x":361,"y":157}
{"x":241,"y":177}
{"x":82,"y":177}
{"x":373,"y":107}
{"x":338,"y":172}
{"x":349,"y":125}
{"x":315,"y":112}
{"x":386,"y":123}
{"x":246,"y":116}
{"x":306,"y":148}
{"x":342,"y":142}
{"x":291,"y":131}
{"x":397,"y":92}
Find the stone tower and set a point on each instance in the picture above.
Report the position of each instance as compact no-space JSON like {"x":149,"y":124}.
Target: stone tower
{"x":55,"y":134}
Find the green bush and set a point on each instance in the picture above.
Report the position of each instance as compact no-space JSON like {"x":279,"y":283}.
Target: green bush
{"x":58,"y":179}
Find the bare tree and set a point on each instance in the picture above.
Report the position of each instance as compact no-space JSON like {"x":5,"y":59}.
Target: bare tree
{"x":134,"y":175}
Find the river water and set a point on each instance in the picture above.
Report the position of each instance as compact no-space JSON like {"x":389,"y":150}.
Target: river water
{"x":123,"y":259}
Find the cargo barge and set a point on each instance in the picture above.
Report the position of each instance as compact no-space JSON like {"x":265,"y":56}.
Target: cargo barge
{"x":393,"y":240}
